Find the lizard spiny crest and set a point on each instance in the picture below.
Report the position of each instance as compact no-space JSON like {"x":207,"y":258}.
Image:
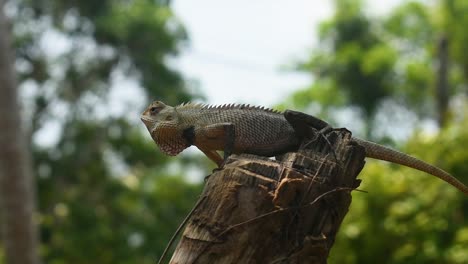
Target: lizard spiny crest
{"x":202,"y":106}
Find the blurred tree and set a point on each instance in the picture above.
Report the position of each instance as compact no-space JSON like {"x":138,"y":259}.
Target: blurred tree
{"x":430,"y":38}
{"x":100,"y":198}
{"x":371,"y":63}
{"x":453,"y":21}
{"x":385,"y":65}
{"x":442,"y":89}
{"x":409,"y":217}
{"x":353,"y":63}
{"x":17,"y":196}
{"x":452,"y":25}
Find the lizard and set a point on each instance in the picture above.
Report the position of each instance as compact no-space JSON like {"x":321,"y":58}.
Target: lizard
{"x":242,"y":128}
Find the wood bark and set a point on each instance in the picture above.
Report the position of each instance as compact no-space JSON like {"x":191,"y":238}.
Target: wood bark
{"x":260,"y":210}
{"x":17,"y":203}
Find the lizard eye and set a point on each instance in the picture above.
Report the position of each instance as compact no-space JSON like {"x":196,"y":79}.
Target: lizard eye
{"x":154,"y":110}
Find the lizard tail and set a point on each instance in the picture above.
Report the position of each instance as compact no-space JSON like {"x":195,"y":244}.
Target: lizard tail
{"x":380,"y":152}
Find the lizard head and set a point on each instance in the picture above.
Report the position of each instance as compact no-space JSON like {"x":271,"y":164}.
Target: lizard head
{"x":162,"y":123}
{"x":157,"y":112}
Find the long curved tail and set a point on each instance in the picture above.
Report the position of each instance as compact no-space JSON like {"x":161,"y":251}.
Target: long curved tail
{"x":376,"y":151}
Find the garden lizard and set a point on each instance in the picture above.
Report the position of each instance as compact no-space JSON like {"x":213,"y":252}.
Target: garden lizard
{"x":240,"y":128}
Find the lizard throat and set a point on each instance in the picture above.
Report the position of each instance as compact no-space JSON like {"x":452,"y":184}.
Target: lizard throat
{"x":170,"y":142}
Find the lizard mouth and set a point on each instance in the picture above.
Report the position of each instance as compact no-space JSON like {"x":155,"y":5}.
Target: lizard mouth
{"x":148,"y":121}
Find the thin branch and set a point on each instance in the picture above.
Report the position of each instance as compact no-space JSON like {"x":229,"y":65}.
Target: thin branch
{"x":161,"y":259}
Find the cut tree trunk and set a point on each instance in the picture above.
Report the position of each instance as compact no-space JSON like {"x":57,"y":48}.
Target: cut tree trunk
{"x":259,"y":210}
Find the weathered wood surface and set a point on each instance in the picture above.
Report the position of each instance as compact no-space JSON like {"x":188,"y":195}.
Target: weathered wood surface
{"x":259,"y":210}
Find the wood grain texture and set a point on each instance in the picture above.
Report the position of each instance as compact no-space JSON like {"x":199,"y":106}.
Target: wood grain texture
{"x":259,"y":210}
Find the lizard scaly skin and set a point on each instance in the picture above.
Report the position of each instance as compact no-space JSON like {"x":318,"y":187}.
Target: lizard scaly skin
{"x":239,"y":128}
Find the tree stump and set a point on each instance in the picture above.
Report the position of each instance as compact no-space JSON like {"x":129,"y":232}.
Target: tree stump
{"x":260,"y":210}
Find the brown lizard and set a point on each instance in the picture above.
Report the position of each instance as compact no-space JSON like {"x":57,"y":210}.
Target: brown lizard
{"x":239,"y":128}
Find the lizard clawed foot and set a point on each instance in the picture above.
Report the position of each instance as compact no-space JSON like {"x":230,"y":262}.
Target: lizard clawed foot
{"x":221,"y":167}
{"x":217,"y":169}
{"x":207,"y":177}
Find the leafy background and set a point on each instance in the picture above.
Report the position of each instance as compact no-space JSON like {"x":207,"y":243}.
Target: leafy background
{"x":106,"y":195}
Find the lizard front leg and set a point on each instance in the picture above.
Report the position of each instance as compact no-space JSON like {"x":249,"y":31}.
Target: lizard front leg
{"x":214,"y":156}
{"x":216,"y":137}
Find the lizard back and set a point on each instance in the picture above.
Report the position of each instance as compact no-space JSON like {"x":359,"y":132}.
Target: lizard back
{"x":258,"y":130}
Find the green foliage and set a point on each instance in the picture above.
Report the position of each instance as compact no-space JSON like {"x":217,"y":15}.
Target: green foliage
{"x":142,"y":31}
{"x":105,"y":193}
{"x":411,"y":23}
{"x":365,"y":61}
{"x":411,"y":27}
{"x":126,"y":220}
{"x":321,"y":92}
{"x":353,"y":58}
{"x":454,"y":22}
{"x":132,"y":28}
{"x":408,"y":216}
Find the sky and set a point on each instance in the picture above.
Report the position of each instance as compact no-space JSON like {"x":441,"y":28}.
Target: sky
{"x":238,"y":50}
